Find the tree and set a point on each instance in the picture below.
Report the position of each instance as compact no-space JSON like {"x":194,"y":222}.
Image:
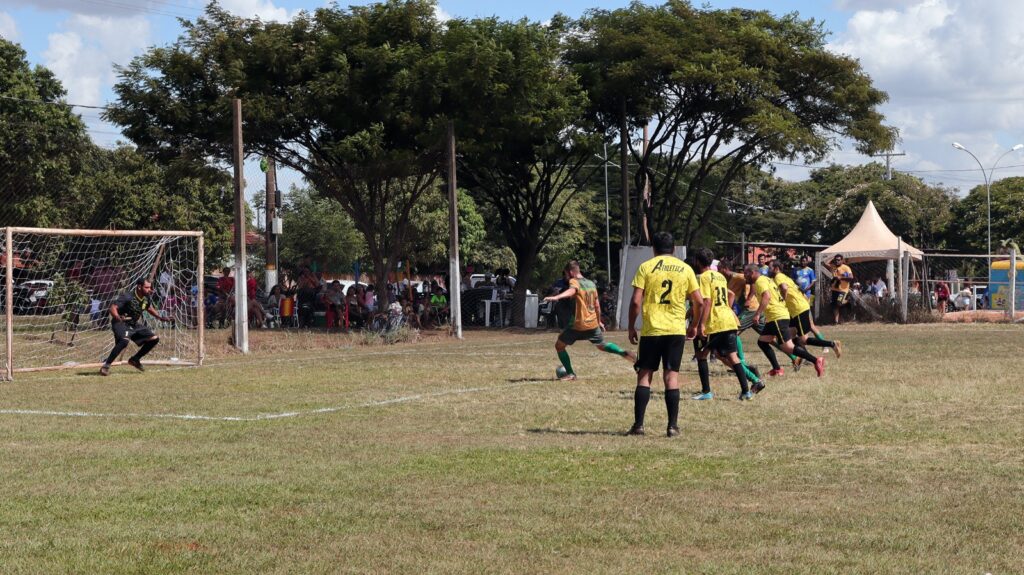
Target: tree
{"x":42,"y":146}
{"x":523,"y":138}
{"x":348,"y":98}
{"x":318,"y":227}
{"x":968,"y":229}
{"x":722,"y":90}
{"x":429,"y":235}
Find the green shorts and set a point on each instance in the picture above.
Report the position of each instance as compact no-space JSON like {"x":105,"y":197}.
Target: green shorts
{"x":571,"y":336}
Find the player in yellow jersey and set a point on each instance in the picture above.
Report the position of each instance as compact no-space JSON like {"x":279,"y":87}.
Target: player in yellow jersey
{"x":586,"y":322}
{"x":717,"y":325}
{"x":800,"y":312}
{"x":773,"y":307}
{"x":661,"y":287}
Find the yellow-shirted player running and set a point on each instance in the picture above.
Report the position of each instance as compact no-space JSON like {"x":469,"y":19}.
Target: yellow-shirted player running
{"x":717,"y":323}
{"x":661,"y":288}
{"x":800,"y":311}
{"x":773,"y":306}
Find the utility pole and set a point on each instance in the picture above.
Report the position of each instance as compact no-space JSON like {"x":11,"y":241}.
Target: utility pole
{"x":623,"y":163}
{"x":454,"y":275}
{"x":888,"y":167}
{"x":241,"y":298}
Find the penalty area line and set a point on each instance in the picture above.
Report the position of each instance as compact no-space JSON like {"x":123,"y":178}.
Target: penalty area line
{"x":267,"y":416}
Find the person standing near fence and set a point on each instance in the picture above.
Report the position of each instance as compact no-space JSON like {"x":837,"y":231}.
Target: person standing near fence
{"x":586,"y":321}
{"x":128,"y":323}
{"x":661,"y":287}
{"x":842,"y":277}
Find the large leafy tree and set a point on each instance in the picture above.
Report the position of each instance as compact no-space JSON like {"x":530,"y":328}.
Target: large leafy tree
{"x":524,"y":141}
{"x":318,"y":227}
{"x":968,"y":228}
{"x":722,"y":91}
{"x":348,"y":98}
{"x":43,"y":145}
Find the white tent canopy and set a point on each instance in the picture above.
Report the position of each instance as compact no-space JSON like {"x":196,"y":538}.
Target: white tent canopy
{"x":871,"y":240}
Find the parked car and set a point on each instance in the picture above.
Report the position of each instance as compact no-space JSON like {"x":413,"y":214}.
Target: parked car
{"x":30,"y":297}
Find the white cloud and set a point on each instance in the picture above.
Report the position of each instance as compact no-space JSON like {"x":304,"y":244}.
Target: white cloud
{"x":8,"y":28}
{"x":264,"y":9}
{"x":952,"y":72}
{"x":84,"y":53}
{"x":440,"y":14}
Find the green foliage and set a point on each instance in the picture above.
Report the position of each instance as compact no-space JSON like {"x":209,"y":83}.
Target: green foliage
{"x":722,"y":90}
{"x":318,"y":227}
{"x":429,"y":237}
{"x":42,"y":146}
{"x":523,"y":163}
{"x":348,"y":98}
{"x":968,"y":228}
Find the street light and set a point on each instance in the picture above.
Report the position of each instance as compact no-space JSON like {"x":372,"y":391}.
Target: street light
{"x":988,"y":186}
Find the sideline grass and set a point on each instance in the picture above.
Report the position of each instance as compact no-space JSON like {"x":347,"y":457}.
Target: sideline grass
{"x":906,"y":457}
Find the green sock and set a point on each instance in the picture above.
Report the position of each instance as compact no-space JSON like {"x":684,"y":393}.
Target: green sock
{"x":739,"y":350}
{"x":612,"y":348}
{"x":563,"y":356}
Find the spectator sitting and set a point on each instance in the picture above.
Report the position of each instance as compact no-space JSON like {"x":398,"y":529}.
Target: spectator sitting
{"x":357,"y":313}
{"x":257,"y":315}
{"x":488,"y":281}
{"x":880,"y":288}
{"x":504,"y":281}
{"x":439,"y":309}
{"x":411,"y":317}
{"x":334,"y":302}
{"x":370,"y":299}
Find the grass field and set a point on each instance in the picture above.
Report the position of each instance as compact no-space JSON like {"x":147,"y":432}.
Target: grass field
{"x":464,"y":457}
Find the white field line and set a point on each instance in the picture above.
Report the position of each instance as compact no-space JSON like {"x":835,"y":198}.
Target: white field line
{"x":269,"y":416}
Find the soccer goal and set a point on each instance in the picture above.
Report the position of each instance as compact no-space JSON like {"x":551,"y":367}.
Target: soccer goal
{"x":58,"y":286}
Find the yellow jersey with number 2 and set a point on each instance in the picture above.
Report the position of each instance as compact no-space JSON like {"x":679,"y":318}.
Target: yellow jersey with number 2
{"x":666,"y":281}
{"x":776,"y":308}
{"x":714,"y":287}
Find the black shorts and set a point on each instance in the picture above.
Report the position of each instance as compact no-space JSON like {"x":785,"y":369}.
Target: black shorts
{"x":802,"y":323}
{"x":571,"y":336}
{"x":778,"y":328}
{"x":839,"y":299}
{"x":660,"y":350}
{"x":723,"y":343}
{"x":138,"y":334}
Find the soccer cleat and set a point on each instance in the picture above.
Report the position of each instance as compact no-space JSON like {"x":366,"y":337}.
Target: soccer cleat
{"x":636,"y":430}
{"x":673,"y":431}
{"x":746,"y":396}
{"x":630,"y":356}
{"x":105,"y":370}
{"x":838,"y":348}
{"x":136,"y":364}
{"x":703,"y":396}
{"x":568,"y":377}
{"x":819,"y":366}
{"x":798,"y":362}
{"x":757,"y":387}
{"x":776,"y":372}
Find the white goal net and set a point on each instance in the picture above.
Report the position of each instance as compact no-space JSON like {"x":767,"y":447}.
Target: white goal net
{"x":58,"y":286}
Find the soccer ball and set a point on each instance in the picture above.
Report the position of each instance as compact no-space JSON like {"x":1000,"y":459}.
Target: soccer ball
{"x":560,"y":372}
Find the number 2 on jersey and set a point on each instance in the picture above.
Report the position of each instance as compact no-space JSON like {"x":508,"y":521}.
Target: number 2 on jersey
{"x":667,"y":284}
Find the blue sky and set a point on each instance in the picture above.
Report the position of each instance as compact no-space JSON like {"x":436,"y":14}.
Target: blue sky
{"x":951,"y":67}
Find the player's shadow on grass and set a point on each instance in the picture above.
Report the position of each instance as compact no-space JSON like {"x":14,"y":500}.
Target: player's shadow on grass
{"x":546,"y":430}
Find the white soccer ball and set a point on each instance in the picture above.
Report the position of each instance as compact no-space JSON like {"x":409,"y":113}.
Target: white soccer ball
{"x":560,"y":372}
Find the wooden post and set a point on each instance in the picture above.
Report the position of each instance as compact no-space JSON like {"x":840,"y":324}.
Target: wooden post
{"x":200,"y":303}
{"x":271,"y":237}
{"x":454,"y":277}
{"x":9,"y":300}
{"x":624,"y":169}
{"x":241,"y":300}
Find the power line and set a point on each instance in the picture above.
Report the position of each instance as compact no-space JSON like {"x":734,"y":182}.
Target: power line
{"x":62,"y":104}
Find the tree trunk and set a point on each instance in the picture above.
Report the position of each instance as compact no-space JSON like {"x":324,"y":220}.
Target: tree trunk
{"x":525,"y":262}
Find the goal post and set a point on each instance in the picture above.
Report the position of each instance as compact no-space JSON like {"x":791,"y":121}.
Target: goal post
{"x":58,"y":286}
